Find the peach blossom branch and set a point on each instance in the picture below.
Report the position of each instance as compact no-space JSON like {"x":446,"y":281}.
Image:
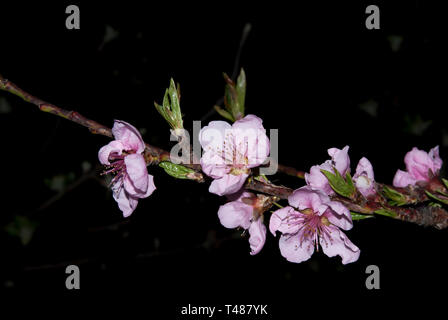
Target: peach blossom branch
{"x":421,"y":215}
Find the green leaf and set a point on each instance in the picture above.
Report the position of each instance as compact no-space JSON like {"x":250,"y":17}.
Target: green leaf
{"x":166,"y":100}
{"x":234,"y":95}
{"x":360,"y":216}
{"x":434,"y":197}
{"x":174,"y":97}
{"x":435,"y":204}
{"x":386,"y":213}
{"x":339,"y":185}
{"x":176,"y":170}
{"x":241,"y":91}
{"x":445,"y":182}
{"x":170,"y":108}
{"x":442,"y":193}
{"x":160,"y":109}
{"x":225,"y":114}
{"x":349,"y":180}
{"x":396,"y":198}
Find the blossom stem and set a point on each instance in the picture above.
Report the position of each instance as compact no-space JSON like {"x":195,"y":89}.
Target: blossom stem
{"x":277,"y":205}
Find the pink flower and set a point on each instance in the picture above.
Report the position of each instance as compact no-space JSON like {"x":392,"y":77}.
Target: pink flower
{"x":420,"y":166}
{"x":242,"y":213}
{"x":124,"y":158}
{"x":312,"y":218}
{"x":364,"y":178}
{"x":231,"y":150}
{"x":339,"y":159}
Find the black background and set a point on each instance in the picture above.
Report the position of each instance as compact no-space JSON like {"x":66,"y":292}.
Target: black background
{"x":314,"y":72}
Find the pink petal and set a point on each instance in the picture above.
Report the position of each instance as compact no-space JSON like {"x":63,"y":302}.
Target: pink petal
{"x":316,"y":179}
{"x":213,"y":165}
{"x":279,"y":221}
{"x":295,"y":251}
{"x":238,"y":196}
{"x":257,"y":231}
{"x":126,"y":203}
{"x":249,"y":122}
{"x":235,"y":214}
{"x":137,"y":174}
{"x":228,"y":184}
{"x":114,"y":146}
{"x":213,"y":135}
{"x":365,"y":185}
{"x":364,"y":168}
{"x":339,"y":221}
{"x":402,"y":179}
{"x":258,"y":151}
{"x":251,"y":139}
{"x":307,"y":198}
{"x":151,"y":187}
{"x":436,"y":160}
{"x":337,"y":243}
{"x":339,"y":215}
{"x":418,"y":163}
{"x":128,"y":135}
{"x":341,"y":159}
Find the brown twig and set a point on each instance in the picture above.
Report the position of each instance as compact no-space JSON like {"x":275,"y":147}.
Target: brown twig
{"x":291,"y":171}
{"x":422,"y":215}
{"x":153,"y":154}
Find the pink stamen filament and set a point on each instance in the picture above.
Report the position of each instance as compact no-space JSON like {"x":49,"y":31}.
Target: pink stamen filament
{"x":231,"y":152}
{"x":312,"y":226}
{"x":118,"y":168}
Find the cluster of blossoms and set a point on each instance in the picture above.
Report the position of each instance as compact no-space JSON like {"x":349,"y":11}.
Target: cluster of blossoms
{"x":311,"y":218}
{"x":231,"y":152}
{"x":363,"y":178}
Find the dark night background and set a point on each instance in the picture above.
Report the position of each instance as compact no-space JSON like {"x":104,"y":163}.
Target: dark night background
{"x":314,"y":72}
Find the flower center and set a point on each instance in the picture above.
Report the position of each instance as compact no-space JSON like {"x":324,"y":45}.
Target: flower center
{"x":234,"y":154}
{"x":237,"y":171}
{"x":117,"y":167}
{"x":313,"y":227}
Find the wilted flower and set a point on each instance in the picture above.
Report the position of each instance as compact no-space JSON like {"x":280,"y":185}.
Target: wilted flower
{"x":123,"y":157}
